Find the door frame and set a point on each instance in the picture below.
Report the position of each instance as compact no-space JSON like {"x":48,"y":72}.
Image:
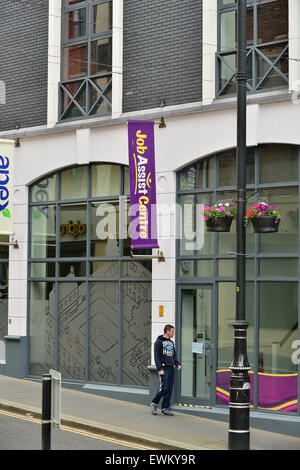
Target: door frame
{"x":177,"y":389}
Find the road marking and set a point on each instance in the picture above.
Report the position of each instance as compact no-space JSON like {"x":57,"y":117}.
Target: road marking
{"x":77,"y":431}
{"x":108,"y":439}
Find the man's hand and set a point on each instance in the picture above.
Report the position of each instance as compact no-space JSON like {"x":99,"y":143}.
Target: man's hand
{"x":178,"y":367}
{"x":161,"y":372}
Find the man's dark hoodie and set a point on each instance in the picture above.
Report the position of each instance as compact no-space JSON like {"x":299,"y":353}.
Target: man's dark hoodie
{"x":165,"y":353}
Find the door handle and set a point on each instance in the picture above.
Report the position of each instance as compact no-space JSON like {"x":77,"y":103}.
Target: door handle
{"x":210,"y":356}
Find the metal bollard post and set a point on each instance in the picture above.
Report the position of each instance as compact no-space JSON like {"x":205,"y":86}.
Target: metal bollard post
{"x":46,"y":411}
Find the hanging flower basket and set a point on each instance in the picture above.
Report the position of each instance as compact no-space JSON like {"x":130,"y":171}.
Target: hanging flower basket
{"x":219,"y":224}
{"x":265,"y":224}
{"x":218,"y":218}
{"x":265,"y":218}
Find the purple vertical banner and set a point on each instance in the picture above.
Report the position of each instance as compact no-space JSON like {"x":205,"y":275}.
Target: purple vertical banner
{"x":141,"y":154}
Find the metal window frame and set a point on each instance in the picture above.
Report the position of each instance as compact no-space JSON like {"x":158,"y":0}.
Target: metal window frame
{"x":87,"y":81}
{"x":254,"y":49}
{"x":256,"y":256}
{"x":88,"y":278}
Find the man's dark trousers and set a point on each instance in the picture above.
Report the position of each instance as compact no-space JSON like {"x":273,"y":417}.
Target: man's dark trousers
{"x":165,"y":388}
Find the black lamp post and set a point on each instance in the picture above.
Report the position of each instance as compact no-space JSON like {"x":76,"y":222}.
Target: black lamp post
{"x":239,"y":405}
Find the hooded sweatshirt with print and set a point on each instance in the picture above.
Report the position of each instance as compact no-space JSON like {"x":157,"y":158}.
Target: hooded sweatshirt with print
{"x":165,"y":353}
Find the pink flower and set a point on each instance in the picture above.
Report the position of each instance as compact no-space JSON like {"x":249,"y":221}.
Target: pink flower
{"x":222,"y":209}
{"x":205,"y":218}
{"x":228,"y":212}
{"x":209,"y":215}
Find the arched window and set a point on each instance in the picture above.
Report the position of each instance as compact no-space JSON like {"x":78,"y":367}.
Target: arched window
{"x":90,"y":303}
{"x":272,"y":272}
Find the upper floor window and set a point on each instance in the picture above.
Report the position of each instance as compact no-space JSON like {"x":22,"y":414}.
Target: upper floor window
{"x":267,"y":45}
{"x":86,"y":73}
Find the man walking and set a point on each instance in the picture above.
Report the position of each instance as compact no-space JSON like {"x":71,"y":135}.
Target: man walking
{"x":165,"y":360}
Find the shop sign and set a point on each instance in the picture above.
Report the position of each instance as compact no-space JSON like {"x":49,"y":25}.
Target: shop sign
{"x":143,"y":228}
{"x":6,"y":186}
{"x":73,"y":229}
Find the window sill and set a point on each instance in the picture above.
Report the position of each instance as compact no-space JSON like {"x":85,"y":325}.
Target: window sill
{"x":258,"y":96}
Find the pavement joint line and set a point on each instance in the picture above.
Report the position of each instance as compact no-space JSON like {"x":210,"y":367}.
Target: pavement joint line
{"x":95,"y":428}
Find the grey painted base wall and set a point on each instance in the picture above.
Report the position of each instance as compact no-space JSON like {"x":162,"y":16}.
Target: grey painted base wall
{"x":15,"y":350}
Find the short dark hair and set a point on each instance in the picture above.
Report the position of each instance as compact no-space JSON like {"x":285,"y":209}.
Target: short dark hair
{"x":168,"y":328}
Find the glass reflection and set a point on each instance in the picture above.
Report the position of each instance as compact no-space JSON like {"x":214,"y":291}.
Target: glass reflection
{"x":4,"y":249}
{"x":43,"y":231}
{"x":198,"y":176}
{"x":45,"y":190}
{"x":106,"y":180}
{"x":75,"y":60}
{"x":272,"y":21}
{"x":72,"y":330}
{"x":75,"y":23}
{"x":105,"y":229}
{"x":278,"y":163}
{"x":226,"y":317}
{"x":104,"y":332}
{"x":101,"y":56}
{"x":41,"y":328}
{"x":74,"y":183}
{"x":136,"y":332}
{"x":73,"y":230}
{"x":278,"y":373}
{"x":3,"y":308}
{"x":286,"y":240}
{"x":102,"y":17}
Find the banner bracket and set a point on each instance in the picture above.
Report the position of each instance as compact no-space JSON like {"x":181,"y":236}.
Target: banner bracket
{"x":14,"y":243}
{"x":160,"y":256}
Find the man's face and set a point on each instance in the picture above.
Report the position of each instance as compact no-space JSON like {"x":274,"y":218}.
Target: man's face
{"x":171,"y":333}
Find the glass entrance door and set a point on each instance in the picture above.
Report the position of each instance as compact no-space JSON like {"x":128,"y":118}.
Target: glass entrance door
{"x":196,"y":344}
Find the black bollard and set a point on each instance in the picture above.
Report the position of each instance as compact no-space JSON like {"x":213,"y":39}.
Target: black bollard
{"x":46,"y":411}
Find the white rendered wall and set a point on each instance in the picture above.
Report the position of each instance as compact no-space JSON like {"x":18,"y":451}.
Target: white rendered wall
{"x":294,"y":45}
{"x":117,"y":58}
{"x":54,"y":55}
{"x":209,"y":48}
{"x":18,"y":257}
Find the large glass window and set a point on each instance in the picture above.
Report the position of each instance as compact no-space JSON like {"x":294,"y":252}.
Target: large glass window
{"x":90,"y":303}
{"x":272,"y":270}
{"x":278,"y":329}
{"x":86,"y":58}
{"x":267,"y":45}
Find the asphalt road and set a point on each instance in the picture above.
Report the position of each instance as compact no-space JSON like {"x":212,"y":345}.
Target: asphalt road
{"x":25,"y":434}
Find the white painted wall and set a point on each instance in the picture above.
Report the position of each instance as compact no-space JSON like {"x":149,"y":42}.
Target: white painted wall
{"x":184,"y":140}
{"x":117,"y":58}
{"x":209,"y":49}
{"x":54,"y":56}
{"x":294,"y":45}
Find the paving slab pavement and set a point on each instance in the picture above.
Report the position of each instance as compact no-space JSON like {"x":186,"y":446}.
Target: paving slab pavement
{"x":130,"y":421}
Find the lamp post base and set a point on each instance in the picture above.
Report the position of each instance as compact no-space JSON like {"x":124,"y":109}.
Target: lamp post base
{"x":239,"y":403}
